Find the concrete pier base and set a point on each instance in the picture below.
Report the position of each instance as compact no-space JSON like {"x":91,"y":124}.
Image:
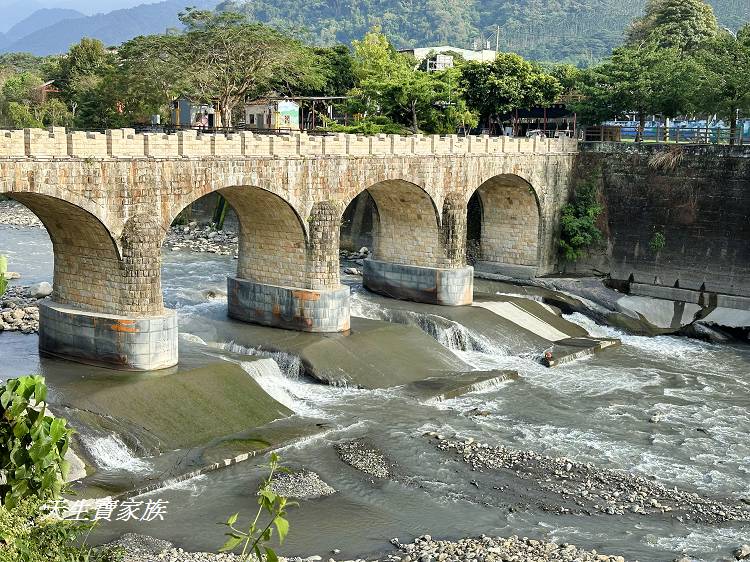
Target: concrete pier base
{"x":305,"y":310}
{"x":448,"y":287}
{"x":118,"y":342}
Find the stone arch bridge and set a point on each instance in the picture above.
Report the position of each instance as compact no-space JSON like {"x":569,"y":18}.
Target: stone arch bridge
{"x":108,"y":199}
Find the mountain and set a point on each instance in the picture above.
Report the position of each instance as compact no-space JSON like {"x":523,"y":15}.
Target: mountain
{"x":578,"y":31}
{"x":112,"y":28}
{"x":14,"y":11}
{"x":39,"y":20}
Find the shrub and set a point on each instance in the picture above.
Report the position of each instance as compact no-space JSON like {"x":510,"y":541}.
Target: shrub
{"x":29,"y":534}
{"x":32,"y":443}
{"x":579,"y":230}
{"x":657,"y":242}
{"x":257,"y":534}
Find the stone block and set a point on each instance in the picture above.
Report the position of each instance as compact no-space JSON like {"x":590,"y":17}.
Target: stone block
{"x":448,"y":287}
{"x":335,"y":145}
{"x":12,"y":144}
{"x":229,"y":145}
{"x":381,"y":144}
{"x":125,"y":143}
{"x":39,"y":143}
{"x":284,"y":146}
{"x":117,"y":342}
{"x":83,"y":144}
{"x":159,"y":145}
{"x":287,"y":307}
{"x":357,"y":145}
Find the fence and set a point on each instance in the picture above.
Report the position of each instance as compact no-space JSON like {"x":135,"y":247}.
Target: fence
{"x":661,"y":134}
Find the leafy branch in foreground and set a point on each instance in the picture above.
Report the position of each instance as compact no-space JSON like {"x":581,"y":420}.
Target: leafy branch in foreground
{"x":32,"y":443}
{"x":257,"y":534}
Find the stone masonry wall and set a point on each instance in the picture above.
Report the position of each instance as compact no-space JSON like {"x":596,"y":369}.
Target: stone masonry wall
{"x":697,"y":197}
{"x":510,"y":222}
{"x":125,"y":189}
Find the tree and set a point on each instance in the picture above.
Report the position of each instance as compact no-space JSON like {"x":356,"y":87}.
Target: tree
{"x":507,"y":83}
{"x":227,"y":58}
{"x":682,"y":24}
{"x":643,"y":79}
{"x":725,"y":84}
{"x":391,"y":84}
{"x":81,"y":75}
{"x":147,"y":79}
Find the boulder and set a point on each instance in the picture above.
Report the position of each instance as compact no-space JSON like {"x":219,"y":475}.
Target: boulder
{"x":40,"y":290}
{"x":10,"y":275}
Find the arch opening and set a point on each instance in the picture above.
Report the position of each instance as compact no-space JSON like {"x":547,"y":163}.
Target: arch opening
{"x":261,"y":228}
{"x":503,"y":223}
{"x":87,"y":265}
{"x":399,"y":223}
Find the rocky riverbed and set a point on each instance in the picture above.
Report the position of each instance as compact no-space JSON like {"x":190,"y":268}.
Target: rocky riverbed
{"x":19,"y":311}
{"x":17,"y":216}
{"x":140,"y":548}
{"x":584,"y":488}
{"x":202,"y":238}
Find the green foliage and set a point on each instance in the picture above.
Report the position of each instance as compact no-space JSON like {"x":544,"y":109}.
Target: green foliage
{"x":29,"y":534}
{"x":680,"y":24}
{"x":32,"y":443}
{"x":572,"y":31}
{"x":657,"y":242}
{"x":230,"y":58}
{"x":579,"y":217}
{"x":509,"y":82}
{"x":390,"y":84}
{"x":644,"y":79}
{"x":376,"y":125}
{"x":724,"y":87}
{"x":254,"y":540}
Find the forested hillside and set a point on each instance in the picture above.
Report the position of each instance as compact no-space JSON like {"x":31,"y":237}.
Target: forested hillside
{"x":578,"y":31}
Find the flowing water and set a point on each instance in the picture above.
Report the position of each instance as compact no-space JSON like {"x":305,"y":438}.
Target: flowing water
{"x":595,"y":410}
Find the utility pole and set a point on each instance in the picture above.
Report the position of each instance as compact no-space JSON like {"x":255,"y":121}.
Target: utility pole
{"x":497,"y":41}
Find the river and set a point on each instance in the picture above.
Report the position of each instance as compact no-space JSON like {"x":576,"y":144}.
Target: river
{"x":599,"y":410}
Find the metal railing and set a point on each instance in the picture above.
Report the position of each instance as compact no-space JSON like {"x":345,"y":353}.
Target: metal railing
{"x":665,"y":135}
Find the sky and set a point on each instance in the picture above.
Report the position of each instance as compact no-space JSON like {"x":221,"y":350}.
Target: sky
{"x":86,"y":6}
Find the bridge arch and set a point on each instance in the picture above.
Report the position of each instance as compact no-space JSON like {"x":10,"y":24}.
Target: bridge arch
{"x":404,"y":223}
{"x":272,"y":239}
{"x":88,"y":267}
{"x":504,"y":223}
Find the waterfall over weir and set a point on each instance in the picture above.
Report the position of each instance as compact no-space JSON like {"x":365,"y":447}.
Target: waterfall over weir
{"x":449,"y":334}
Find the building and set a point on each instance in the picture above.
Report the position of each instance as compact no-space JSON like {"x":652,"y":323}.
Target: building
{"x":187,"y":113}
{"x":272,"y":114}
{"x":444,"y":60}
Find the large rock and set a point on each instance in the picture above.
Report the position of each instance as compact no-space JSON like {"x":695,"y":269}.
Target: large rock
{"x":40,"y":290}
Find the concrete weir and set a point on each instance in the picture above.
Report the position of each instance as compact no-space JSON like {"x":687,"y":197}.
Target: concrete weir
{"x":283,"y":307}
{"x":128,"y":343}
{"x":431,"y":285}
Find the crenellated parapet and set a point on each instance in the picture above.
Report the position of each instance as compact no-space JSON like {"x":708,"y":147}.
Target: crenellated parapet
{"x":56,"y":142}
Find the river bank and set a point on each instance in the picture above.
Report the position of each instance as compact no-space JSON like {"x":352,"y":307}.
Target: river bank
{"x":139,"y":548}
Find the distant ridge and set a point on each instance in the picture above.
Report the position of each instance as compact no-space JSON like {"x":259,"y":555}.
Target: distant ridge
{"x":112,"y":28}
{"x":39,"y":20}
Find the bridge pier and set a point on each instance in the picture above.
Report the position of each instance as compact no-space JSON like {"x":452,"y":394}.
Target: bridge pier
{"x":305,"y":310}
{"x":130,"y":343}
{"x":429,"y":269}
{"x":309,"y":296}
{"x":431,"y":285}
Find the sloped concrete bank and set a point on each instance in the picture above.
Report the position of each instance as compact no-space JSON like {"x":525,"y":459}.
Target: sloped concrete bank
{"x":628,"y":307}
